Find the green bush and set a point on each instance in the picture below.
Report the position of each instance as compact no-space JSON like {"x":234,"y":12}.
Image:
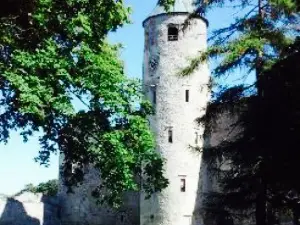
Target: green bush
{"x":48,"y":188}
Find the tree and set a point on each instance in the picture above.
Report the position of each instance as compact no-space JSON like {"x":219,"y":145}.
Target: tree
{"x":264,"y":149}
{"x":49,"y":188}
{"x":55,"y":52}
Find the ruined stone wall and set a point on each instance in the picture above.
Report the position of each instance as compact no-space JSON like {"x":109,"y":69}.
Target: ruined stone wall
{"x":29,"y":209}
{"x":224,"y":128}
{"x":80,"y":207}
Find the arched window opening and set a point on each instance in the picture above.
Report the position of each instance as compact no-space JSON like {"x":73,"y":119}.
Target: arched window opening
{"x":172,"y":33}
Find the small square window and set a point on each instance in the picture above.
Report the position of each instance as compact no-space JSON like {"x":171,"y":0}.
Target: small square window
{"x":172,"y":33}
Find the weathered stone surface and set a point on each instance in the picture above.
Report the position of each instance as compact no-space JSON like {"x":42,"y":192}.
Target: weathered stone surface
{"x":176,"y":112}
{"x":80,"y":208}
{"x":29,"y":209}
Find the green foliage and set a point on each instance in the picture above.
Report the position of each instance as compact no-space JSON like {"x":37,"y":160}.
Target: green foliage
{"x":48,"y":188}
{"x":54,"y":53}
{"x":262,"y":157}
{"x":256,"y":38}
{"x":167,"y":4}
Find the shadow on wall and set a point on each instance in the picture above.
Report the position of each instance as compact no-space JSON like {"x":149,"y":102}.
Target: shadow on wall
{"x":29,"y":209}
{"x":51,"y":211}
{"x":222,"y":128}
{"x":204,"y":185}
{"x":14,"y":214}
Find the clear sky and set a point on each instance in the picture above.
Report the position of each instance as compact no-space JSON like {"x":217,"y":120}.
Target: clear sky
{"x":17,"y":167}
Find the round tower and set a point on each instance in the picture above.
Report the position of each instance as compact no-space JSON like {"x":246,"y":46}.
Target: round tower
{"x":170,"y":42}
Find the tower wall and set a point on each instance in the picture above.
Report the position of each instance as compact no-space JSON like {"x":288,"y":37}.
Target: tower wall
{"x":175,"y":116}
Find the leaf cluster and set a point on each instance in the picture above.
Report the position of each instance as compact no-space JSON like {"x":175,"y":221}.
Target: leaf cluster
{"x":49,"y":188}
{"x":254,"y":40}
{"x":54,"y":56}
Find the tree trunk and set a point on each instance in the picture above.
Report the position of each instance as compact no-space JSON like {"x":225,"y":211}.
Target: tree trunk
{"x":295,"y":217}
{"x":259,"y":57}
{"x":260,"y":211}
{"x":272,"y":215}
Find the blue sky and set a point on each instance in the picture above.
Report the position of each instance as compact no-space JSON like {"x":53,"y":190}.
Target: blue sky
{"x":17,"y":167}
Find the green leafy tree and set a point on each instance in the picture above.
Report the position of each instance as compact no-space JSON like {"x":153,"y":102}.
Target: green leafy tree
{"x":54,"y":53}
{"x":49,"y":188}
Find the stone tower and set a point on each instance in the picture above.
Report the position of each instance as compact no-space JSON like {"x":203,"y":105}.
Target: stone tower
{"x":170,"y":41}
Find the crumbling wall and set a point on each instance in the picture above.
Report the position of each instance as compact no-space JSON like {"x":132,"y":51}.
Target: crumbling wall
{"x":29,"y":209}
{"x":80,"y":208}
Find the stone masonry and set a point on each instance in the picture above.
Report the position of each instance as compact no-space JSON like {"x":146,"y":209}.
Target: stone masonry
{"x":29,"y":209}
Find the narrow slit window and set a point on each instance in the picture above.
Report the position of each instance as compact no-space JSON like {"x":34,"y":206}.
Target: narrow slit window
{"x":172,"y":33}
{"x":187,"y":95}
{"x":170,"y":136}
{"x":182,"y":184}
{"x":73,"y":168}
{"x":196,"y":139}
{"x":154,"y":96}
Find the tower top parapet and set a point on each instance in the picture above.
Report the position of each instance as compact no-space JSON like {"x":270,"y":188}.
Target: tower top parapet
{"x":179,"y":7}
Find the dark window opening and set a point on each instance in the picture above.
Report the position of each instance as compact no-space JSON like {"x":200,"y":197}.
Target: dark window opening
{"x":122,"y":218}
{"x":154,"y":96}
{"x":172,"y":33}
{"x":187,"y":95}
{"x":59,"y":213}
{"x":152,"y":217}
{"x":196,"y":140}
{"x":170,"y":136}
{"x":153,"y":65}
{"x":182,"y":185}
